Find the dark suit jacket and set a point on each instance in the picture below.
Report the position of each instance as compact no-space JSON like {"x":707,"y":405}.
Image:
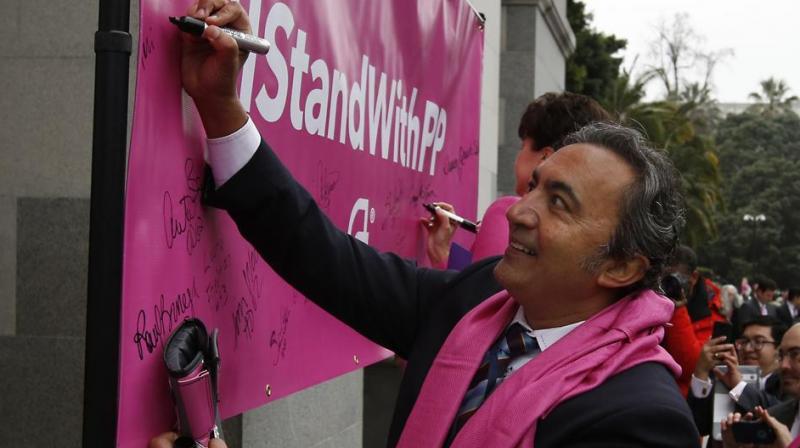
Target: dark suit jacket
{"x":753,"y":396}
{"x":411,"y":311}
{"x":785,"y":315}
{"x":750,"y":310}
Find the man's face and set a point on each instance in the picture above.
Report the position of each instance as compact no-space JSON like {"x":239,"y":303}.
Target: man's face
{"x":767,"y":357}
{"x":527,"y":160}
{"x":570,"y":211}
{"x":790,"y":362}
{"x":765,"y":295}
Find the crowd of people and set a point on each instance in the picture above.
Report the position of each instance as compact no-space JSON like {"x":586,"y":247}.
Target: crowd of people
{"x":756,"y":329}
{"x":581,"y":321}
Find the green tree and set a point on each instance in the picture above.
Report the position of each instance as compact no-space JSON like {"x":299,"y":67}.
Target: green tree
{"x":760,"y":163}
{"x":681,"y":128}
{"x":592,"y":69}
{"x":773,"y":100}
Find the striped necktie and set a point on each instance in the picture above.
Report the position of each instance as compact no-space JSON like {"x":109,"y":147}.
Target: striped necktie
{"x":514,"y":343}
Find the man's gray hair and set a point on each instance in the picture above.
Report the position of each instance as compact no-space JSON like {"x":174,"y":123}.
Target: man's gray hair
{"x":652,"y":209}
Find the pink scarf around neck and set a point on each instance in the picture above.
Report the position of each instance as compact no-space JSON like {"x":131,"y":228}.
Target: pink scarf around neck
{"x":621,"y":336}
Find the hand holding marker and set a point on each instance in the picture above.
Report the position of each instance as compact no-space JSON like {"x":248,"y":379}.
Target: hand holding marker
{"x":463,"y":223}
{"x":246,"y":42}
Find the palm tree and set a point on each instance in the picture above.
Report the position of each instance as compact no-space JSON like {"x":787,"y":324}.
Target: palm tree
{"x":771,"y":101}
{"x":678,"y":126}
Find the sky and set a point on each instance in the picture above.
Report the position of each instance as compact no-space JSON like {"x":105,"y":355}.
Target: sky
{"x":764,"y":36}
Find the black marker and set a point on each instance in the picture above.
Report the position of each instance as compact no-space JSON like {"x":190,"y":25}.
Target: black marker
{"x":246,"y":42}
{"x":463,"y":223}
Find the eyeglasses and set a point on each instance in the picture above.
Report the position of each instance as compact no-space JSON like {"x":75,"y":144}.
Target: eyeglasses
{"x":792,"y":353}
{"x":756,"y":344}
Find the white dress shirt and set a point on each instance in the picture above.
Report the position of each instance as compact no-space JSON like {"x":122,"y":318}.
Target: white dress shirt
{"x":227,"y":155}
{"x":545,"y":338}
{"x":702,"y":388}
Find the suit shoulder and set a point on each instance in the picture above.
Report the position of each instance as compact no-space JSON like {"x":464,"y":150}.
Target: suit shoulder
{"x":641,"y":406}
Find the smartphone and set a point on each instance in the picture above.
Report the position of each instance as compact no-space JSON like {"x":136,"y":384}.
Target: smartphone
{"x":723,"y":329}
{"x":723,"y":404}
{"x":756,"y":432}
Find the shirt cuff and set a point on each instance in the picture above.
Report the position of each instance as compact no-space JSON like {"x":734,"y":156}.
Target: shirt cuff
{"x":227,"y":155}
{"x":700,"y":388}
{"x":737,"y":390}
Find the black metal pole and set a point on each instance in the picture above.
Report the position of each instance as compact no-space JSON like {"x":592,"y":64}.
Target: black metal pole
{"x":112,"y":52}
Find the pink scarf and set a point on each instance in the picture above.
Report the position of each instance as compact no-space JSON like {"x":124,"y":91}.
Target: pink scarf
{"x":621,"y":336}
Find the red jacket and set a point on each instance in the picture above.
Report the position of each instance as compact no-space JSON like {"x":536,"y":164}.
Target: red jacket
{"x":684,"y":339}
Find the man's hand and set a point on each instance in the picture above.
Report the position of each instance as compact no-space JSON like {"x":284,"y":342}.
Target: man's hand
{"x":440,"y":232}
{"x":783,"y":437}
{"x":210,"y":65}
{"x":730,"y":377}
{"x":713,"y":351}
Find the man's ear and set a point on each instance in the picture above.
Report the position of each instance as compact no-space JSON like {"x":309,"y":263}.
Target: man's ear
{"x":546,"y":152}
{"x":621,"y":273}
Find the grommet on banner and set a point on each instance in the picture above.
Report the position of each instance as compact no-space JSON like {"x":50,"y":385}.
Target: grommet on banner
{"x":479,"y":15}
{"x":355,"y":359}
{"x":481,"y":20}
{"x":268,"y":390}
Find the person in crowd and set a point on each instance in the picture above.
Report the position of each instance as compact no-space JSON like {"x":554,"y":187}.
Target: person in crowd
{"x":542,"y":129}
{"x":731,"y":300}
{"x":745,"y":289}
{"x":758,"y":346}
{"x":789,"y":312}
{"x":782,"y":417}
{"x":695,"y":313}
{"x":760,"y":305}
{"x":556,"y":343}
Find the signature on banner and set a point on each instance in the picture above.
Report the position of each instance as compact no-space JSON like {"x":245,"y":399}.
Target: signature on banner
{"x":165,"y":315}
{"x":187,"y":221}
{"x":326,"y":183}
{"x":278,"y":341}
{"x":457,"y":163}
{"x":218,"y":261}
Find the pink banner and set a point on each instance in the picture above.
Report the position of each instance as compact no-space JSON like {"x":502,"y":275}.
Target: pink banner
{"x":373,"y":105}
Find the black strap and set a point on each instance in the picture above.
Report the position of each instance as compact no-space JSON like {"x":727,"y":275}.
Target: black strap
{"x":113,"y":41}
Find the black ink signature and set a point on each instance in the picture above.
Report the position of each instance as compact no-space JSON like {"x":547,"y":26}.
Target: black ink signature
{"x":190,"y":222}
{"x":457,"y":164}
{"x":422,"y":193}
{"x":254,"y":283}
{"x":147,"y":49}
{"x":392,"y":206}
{"x":218,"y":261}
{"x":217,"y":293}
{"x":166,"y":315}
{"x":244,"y":322}
{"x":277,"y":339}
{"x":326,"y":183}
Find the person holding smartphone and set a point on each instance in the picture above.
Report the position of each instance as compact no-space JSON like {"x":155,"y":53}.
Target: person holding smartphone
{"x":696,"y":310}
{"x":783,"y":418}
